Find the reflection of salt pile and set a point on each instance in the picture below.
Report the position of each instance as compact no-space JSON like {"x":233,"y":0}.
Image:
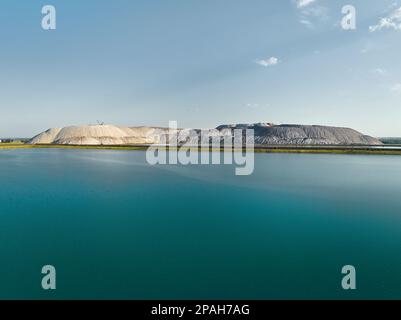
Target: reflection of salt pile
{"x":265,"y":133}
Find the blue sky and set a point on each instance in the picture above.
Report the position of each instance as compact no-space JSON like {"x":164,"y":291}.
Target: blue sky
{"x":200,"y":62}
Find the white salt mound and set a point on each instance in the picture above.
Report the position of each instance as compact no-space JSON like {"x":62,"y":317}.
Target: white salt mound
{"x":265,"y":133}
{"x":97,"y":135}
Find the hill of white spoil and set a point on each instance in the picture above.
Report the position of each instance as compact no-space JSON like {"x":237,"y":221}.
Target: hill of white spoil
{"x":98,"y":135}
{"x":265,"y":133}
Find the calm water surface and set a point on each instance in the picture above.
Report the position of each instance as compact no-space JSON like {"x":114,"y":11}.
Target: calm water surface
{"x":115,"y":227}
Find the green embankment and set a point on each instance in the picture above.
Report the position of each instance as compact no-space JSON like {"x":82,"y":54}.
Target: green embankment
{"x":258,"y":149}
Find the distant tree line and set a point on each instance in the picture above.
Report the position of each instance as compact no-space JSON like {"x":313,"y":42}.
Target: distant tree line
{"x":391,"y":140}
{"x":13,"y":140}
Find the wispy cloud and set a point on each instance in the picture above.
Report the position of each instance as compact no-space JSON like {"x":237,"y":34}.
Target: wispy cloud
{"x":252,"y":105}
{"x":306,"y":22}
{"x":393,"y":5}
{"x":272,"y":61}
{"x":311,"y":12}
{"x":392,"y":21}
{"x":379,"y":71}
{"x":315,"y":12}
{"x":396,"y":88}
{"x":304,"y":3}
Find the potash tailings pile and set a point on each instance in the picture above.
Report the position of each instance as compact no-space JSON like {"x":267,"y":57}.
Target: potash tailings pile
{"x":265,"y":133}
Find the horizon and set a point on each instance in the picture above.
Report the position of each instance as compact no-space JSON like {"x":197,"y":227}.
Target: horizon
{"x":202,"y":64}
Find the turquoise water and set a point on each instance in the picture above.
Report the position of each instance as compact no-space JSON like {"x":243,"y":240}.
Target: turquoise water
{"x":115,"y":227}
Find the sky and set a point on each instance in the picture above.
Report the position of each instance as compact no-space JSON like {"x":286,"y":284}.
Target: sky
{"x":200,"y":62}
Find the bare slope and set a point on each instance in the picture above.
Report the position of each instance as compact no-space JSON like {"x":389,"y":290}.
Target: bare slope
{"x":266,"y":133}
{"x":97,"y":135}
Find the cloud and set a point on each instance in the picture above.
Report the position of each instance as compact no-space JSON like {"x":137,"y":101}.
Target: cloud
{"x":392,"y":21}
{"x":252,"y":105}
{"x":379,"y":71}
{"x":256,"y":106}
{"x":304,"y":3}
{"x":396,"y":88}
{"x":393,"y":5}
{"x":272,"y":61}
{"x":311,"y":12}
{"x":319,"y":12}
{"x":306,"y":22}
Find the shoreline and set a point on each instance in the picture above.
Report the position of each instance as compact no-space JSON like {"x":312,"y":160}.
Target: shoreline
{"x":326,"y":149}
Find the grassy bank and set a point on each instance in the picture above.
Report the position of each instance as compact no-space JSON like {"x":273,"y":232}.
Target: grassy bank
{"x":332,"y":151}
{"x":56,"y":146}
{"x":258,"y":149}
